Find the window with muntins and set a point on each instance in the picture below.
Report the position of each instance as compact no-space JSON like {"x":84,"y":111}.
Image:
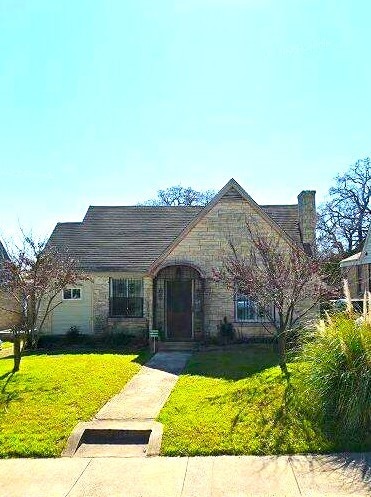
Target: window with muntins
{"x":245,"y":309}
{"x":72,"y":294}
{"x":126,"y":298}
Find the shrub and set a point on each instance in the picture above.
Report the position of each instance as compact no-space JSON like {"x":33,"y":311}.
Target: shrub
{"x":73,"y":333}
{"x":66,"y":340}
{"x":118,"y":339}
{"x":226,"y":330}
{"x":339,"y":372}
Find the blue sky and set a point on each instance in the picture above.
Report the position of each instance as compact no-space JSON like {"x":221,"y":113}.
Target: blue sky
{"x":107,"y":101}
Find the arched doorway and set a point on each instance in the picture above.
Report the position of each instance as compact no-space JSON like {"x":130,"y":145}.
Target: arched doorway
{"x":178,"y":303}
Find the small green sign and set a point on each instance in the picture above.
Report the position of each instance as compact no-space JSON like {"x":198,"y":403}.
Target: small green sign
{"x":153,"y":333}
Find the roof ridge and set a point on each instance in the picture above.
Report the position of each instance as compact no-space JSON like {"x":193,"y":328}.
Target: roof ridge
{"x":146,"y":206}
{"x":278,"y":205}
{"x":69,"y":222}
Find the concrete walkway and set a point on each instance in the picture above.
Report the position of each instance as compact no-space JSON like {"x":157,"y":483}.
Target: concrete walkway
{"x":126,"y":426}
{"x":145,"y":394}
{"x":224,"y":476}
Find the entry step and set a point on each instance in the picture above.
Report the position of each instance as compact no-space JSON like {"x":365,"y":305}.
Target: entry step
{"x":176,"y":346}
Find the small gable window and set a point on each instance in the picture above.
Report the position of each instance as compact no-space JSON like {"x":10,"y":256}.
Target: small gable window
{"x":126,"y":298}
{"x":72,"y":294}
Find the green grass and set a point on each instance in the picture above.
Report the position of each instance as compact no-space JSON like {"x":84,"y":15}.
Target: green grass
{"x":42,"y":403}
{"x":238,"y":402}
{"x":7,"y":345}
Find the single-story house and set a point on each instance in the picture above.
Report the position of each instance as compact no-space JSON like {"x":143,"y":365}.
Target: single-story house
{"x":356,"y":269}
{"x":151,"y":267}
{"x":9,"y":310}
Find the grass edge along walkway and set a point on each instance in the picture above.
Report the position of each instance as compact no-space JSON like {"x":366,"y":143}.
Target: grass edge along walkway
{"x":42,"y":403}
{"x":238,"y":402}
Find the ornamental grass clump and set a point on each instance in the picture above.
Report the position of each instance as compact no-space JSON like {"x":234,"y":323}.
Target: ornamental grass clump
{"x":338,"y":378}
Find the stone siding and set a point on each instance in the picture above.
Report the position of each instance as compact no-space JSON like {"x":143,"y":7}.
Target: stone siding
{"x":207,"y":244}
{"x":307,"y":216}
{"x":101,"y":304}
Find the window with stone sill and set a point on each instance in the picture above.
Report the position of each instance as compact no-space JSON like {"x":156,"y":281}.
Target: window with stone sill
{"x":246,"y":310}
{"x":126,"y":298}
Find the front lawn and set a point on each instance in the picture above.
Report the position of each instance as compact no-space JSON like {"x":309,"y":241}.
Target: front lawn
{"x":238,"y":402}
{"x":42,"y":403}
{"x":7,"y":345}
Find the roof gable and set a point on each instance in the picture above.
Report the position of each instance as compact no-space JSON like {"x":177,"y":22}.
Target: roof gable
{"x":363,"y":257}
{"x":230,"y":192}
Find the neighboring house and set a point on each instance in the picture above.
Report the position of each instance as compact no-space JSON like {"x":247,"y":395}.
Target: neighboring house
{"x":151,"y":267}
{"x":356,"y":269}
{"x":9,"y":314}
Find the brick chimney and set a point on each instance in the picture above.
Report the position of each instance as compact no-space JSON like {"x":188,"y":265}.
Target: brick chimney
{"x":307,"y":218}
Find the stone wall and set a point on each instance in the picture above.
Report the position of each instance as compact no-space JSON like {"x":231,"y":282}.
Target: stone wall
{"x":101,"y":303}
{"x":207,"y":244}
{"x":307,"y":216}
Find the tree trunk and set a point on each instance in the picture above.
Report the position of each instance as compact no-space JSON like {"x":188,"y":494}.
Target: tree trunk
{"x":282,"y":346}
{"x":17,"y":353}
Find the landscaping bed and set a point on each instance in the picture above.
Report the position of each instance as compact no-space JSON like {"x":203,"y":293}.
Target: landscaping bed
{"x":52,"y":392}
{"x":238,"y":402}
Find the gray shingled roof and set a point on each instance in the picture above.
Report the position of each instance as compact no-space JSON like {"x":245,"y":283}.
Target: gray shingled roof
{"x":122,"y":238}
{"x":286,"y":216}
{"x":132,"y":238}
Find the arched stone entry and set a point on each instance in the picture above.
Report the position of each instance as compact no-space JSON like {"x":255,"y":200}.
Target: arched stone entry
{"x":178,"y":303}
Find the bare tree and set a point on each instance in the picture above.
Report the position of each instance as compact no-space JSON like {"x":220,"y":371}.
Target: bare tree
{"x":34,"y":277}
{"x":344,"y":219}
{"x":284,"y":282}
{"x":179,"y":195}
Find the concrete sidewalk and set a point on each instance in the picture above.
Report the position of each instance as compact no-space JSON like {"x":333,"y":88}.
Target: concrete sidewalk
{"x":223,"y":476}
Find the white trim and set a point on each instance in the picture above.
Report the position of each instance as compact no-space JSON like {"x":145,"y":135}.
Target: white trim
{"x":72,"y":299}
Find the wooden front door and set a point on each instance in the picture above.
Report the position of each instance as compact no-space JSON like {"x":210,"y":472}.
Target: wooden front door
{"x":179,"y":309}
